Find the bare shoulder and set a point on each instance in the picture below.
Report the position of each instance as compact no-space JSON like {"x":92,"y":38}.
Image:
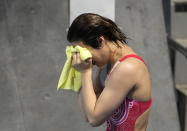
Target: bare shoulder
{"x":127,"y":74}
{"x":128,"y":68}
{"x":123,"y":77}
{"x":135,"y":70}
{"x":132,"y":66}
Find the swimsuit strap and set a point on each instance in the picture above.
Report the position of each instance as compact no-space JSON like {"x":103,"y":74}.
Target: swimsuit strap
{"x":132,"y":55}
{"x":122,"y":59}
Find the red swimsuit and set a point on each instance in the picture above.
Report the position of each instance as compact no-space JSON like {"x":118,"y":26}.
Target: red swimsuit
{"x":124,"y":117}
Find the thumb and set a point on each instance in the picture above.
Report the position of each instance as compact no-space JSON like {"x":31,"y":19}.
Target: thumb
{"x":88,"y":60}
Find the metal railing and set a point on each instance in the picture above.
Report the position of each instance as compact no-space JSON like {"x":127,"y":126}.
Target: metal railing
{"x":176,"y":46}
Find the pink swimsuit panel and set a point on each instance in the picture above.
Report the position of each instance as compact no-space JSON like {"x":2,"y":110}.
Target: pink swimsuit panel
{"x":124,"y":117}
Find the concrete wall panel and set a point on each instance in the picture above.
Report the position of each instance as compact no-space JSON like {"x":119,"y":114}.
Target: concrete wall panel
{"x":143,"y":22}
{"x":32,"y":50}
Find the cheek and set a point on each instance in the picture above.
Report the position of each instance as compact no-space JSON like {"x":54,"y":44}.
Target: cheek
{"x":98,"y":58}
{"x":101,"y":62}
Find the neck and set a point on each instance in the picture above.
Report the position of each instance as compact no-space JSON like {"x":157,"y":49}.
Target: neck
{"x":117,"y":53}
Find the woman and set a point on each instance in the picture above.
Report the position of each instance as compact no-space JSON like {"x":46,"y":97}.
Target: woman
{"x":125,"y":100}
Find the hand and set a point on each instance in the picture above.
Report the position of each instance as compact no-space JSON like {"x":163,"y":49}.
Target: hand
{"x":80,"y":65}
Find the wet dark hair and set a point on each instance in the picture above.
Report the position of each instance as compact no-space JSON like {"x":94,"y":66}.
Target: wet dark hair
{"x":88,"y":27}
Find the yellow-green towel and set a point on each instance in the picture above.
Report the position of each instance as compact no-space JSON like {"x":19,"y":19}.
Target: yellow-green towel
{"x":70,"y":78}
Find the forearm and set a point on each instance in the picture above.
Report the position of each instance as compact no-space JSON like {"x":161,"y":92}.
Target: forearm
{"x":81,"y":107}
{"x":88,"y":95}
{"x":98,"y":88}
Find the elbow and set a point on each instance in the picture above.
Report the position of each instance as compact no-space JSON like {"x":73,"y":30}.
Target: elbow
{"x":95,"y":123}
{"x":86,"y":119}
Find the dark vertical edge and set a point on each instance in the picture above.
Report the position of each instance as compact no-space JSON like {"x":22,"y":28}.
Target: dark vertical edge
{"x":167,"y":15}
{"x":68,"y":13}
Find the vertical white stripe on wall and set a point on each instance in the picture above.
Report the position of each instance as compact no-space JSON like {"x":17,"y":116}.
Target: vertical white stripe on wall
{"x":102,"y":7}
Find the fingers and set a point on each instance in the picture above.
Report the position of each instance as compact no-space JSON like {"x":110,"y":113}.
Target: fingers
{"x":76,"y":58}
{"x":73,"y":59}
{"x":80,"y":65}
{"x":89,"y":60}
{"x":77,"y":63}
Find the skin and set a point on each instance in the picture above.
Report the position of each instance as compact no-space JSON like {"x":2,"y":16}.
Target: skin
{"x":135,"y":83}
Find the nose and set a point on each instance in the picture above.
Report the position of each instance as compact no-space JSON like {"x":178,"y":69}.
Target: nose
{"x":93,"y":62}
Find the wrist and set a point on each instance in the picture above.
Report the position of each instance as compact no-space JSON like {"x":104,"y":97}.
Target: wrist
{"x":87,"y":71}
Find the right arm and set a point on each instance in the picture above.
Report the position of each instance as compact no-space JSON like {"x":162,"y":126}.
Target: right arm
{"x":81,"y":107}
{"x":98,"y":88}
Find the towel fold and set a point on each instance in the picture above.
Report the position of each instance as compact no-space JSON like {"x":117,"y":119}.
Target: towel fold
{"x":70,"y":78}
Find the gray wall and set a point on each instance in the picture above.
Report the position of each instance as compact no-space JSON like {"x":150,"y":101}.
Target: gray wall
{"x":178,"y":21}
{"x":143,"y":22}
{"x":32,"y":54}
{"x":179,"y":32}
{"x":180,"y":69}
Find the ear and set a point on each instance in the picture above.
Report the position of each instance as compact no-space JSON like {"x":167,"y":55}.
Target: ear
{"x":102,"y":41}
